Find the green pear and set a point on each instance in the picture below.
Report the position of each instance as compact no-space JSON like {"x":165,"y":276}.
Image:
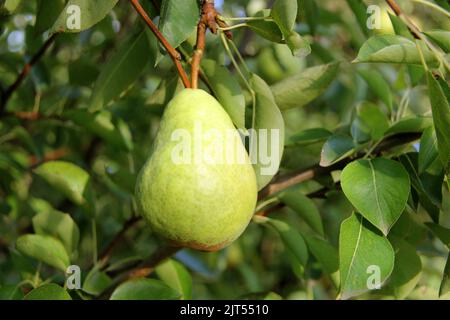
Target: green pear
{"x":203,"y":202}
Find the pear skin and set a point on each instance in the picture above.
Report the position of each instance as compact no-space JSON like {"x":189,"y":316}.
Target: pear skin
{"x":197,"y":203}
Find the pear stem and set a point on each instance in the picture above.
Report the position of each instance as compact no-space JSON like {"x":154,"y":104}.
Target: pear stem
{"x":208,"y":20}
{"x":198,"y":53}
{"x":173,"y":53}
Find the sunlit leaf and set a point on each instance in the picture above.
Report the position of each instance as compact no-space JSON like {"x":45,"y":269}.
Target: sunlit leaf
{"x":49,"y":291}
{"x":301,"y":89}
{"x":144,"y":289}
{"x":44,"y":248}
{"x":362,"y":250}
{"x":378,"y":189}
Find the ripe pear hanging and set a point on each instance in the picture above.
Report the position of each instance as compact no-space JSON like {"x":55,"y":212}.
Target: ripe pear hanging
{"x":198,"y":189}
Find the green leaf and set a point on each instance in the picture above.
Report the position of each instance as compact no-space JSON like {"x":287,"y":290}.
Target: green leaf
{"x":360,"y":248}
{"x":411,"y":124}
{"x":291,"y":238}
{"x":123,"y":69}
{"x":227,"y":90}
{"x":268,"y":119}
{"x":47,"y":13}
{"x":378,"y":85}
{"x":359,"y":9}
{"x":441,"y":38}
{"x":441,"y":117}
{"x":96,"y":282}
{"x":428,"y":185}
{"x":284,"y":12}
{"x":68,"y":178}
{"x":178,"y":20}
{"x":273,"y":296}
{"x":105,"y":125}
{"x":90,"y":12}
{"x":83,"y":72}
{"x":144,"y":289}
{"x":324,"y":252}
{"x":44,"y":248}
{"x":10,"y":5}
{"x":370,"y":123}
{"x":428,"y":152}
{"x":309,"y":11}
{"x":299,"y":46}
{"x":175,"y":275}
{"x":309,"y":136}
{"x":49,"y":291}
{"x":337,"y":147}
{"x":400,"y":27}
{"x":441,"y":232}
{"x":409,"y":229}
{"x":266,"y":29}
{"x":407,"y":269}
{"x":379,"y":190}
{"x":393,"y":49}
{"x":305,"y":207}
{"x":10,"y":292}
{"x":445,"y":283}
{"x":166,"y":90}
{"x":59,"y":225}
{"x":304,"y":87}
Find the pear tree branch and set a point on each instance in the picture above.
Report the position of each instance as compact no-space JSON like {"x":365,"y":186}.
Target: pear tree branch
{"x":173,"y":53}
{"x":210,"y":19}
{"x":24,"y":73}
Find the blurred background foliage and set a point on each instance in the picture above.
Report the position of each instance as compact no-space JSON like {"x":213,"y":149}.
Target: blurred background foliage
{"x":111,"y":145}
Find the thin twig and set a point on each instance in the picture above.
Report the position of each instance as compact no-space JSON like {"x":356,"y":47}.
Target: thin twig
{"x":107,"y":253}
{"x":173,"y":53}
{"x":142,"y":270}
{"x":25,"y":71}
{"x":50,"y":156}
{"x":156,"y":5}
{"x":208,"y":20}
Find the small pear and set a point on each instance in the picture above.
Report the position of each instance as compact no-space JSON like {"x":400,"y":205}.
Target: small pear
{"x":198,"y":189}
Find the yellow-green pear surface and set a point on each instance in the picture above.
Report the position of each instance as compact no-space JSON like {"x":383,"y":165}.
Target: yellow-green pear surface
{"x":187,"y":191}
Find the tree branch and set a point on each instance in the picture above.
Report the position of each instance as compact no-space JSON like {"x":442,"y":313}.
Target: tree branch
{"x":24,"y":73}
{"x":174,"y":55}
{"x":284,"y":182}
{"x":207,"y":21}
{"x":107,"y":253}
{"x":142,"y":270}
{"x":398,"y":12}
